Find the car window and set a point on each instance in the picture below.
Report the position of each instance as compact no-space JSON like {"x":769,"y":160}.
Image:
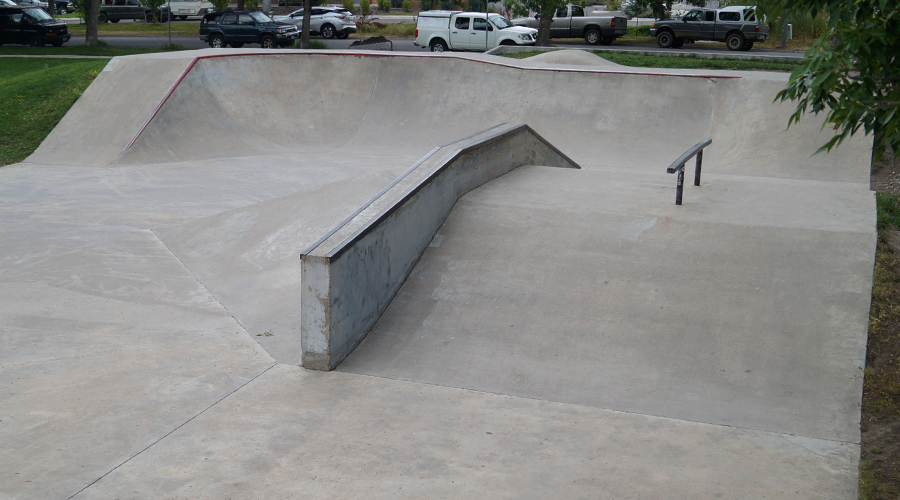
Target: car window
{"x":15,"y":17}
{"x":479,"y":24}
{"x":229,"y":19}
{"x":131,"y":2}
{"x":260,"y":17}
{"x":710,"y":15}
{"x":694,"y":15}
{"x":577,"y":11}
{"x":749,"y":15}
{"x":560,"y":13}
{"x":245,"y":19}
{"x":462,"y":23}
{"x":729,"y":16}
{"x":118,"y":2}
{"x":296,"y":13}
{"x":317,"y":12}
{"x":36,"y":15}
{"x":500,"y":21}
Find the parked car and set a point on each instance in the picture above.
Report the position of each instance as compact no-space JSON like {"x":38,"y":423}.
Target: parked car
{"x":40,"y":4}
{"x":184,"y":8}
{"x":7,"y":3}
{"x":28,"y":25}
{"x":442,"y":30}
{"x":329,"y":22}
{"x":570,"y":22}
{"x":64,"y":7}
{"x":236,"y":28}
{"x":116,"y":10}
{"x":737,"y":26}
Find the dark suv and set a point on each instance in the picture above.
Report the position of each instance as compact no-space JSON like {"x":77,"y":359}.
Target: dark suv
{"x":236,"y":28}
{"x":32,"y":26}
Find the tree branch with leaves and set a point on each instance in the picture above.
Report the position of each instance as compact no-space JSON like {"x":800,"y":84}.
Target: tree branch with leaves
{"x":851,"y":73}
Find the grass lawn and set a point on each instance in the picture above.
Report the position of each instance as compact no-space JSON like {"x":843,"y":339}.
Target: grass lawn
{"x":81,"y":50}
{"x":179,"y":28}
{"x":36,"y":93}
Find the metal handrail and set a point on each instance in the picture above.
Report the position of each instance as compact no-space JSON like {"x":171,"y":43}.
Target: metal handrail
{"x":678,"y":166}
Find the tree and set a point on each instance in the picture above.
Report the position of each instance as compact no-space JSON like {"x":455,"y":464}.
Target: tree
{"x":154,"y":6}
{"x":852,"y":71}
{"x":544,"y":9}
{"x":91,"y":13}
{"x":220,"y":5}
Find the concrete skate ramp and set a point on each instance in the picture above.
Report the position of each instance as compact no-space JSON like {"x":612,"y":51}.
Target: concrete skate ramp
{"x":576,"y":57}
{"x":572,"y":324}
{"x":246,"y":104}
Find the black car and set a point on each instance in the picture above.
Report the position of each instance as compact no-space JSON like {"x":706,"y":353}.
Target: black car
{"x":236,"y":28}
{"x":28,"y":25}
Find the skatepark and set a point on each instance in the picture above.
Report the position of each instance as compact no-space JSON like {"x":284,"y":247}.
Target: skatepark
{"x":531,"y":315}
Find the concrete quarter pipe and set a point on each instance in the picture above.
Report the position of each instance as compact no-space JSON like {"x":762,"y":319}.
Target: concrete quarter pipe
{"x":566,"y":333}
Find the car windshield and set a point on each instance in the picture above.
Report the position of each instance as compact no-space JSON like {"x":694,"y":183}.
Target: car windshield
{"x":297,"y":13}
{"x":500,"y":21}
{"x":37,"y":15}
{"x":260,"y":17}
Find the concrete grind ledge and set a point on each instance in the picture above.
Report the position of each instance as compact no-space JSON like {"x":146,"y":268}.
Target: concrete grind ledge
{"x":351,"y":275}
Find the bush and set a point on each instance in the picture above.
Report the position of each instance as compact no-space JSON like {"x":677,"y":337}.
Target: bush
{"x":406,"y":5}
{"x":220,"y":5}
{"x":384,"y":5}
{"x":348,"y":4}
{"x":396,"y":4}
{"x":251,"y":5}
{"x":446,"y":4}
{"x":613,"y":5}
{"x":638,"y":31}
{"x":475,"y":6}
{"x":364,"y":7}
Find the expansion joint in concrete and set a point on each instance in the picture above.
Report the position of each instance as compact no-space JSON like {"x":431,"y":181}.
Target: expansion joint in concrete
{"x":172,"y":431}
{"x":785,"y":435}
{"x":210,"y":292}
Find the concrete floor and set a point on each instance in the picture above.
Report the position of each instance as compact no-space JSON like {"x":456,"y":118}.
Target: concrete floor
{"x":569,"y":334}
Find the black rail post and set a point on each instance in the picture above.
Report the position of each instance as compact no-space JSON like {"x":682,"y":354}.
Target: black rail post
{"x":677,"y":167}
{"x":697,"y":168}
{"x":679,"y":188}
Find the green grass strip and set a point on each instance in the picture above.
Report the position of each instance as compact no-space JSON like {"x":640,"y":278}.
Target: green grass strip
{"x":36,"y":93}
{"x":81,"y":50}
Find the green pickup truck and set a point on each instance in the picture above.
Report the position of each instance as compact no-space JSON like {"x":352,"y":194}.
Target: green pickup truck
{"x":737,"y":26}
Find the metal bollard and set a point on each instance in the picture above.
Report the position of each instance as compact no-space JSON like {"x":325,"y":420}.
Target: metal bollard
{"x":680,"y":187}
{"x":697,"y":168}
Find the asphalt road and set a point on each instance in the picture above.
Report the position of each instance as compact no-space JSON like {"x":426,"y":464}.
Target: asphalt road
{"x":406,"y":44}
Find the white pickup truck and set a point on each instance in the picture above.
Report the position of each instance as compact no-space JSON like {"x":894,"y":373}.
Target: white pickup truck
{"x":442,"y":30}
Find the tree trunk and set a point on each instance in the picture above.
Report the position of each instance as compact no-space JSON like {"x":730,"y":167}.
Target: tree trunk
{"x":91,"y":11}
{"x":544,"y":24}
{"x":240,"y":5}
{"x":304,"y":34}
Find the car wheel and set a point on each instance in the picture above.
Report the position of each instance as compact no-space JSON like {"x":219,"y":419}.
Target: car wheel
{"x":734,"y":41}
{"x":438,"y":46}
{"x":148,"y":18}
{"x":679,"y":42}
{"x":592,"y":37}
{"x":747,"y":46}
{"x":236,"y":45}
{"x":36,"y":41}
{"x":665,"y":39}
{"x":217,"y":41}
{"x":102,"y":18}
{"x":327,"y":31}
{"x":268,"y":42}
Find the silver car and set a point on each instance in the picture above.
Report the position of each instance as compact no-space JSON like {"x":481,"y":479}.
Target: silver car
{"x":329,"y":22}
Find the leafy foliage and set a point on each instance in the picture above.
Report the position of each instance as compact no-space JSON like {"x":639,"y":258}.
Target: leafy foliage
{"x":852,"y":71}
{"x":220,"y":5}
{"x":364,"y":7}
{"x":154,"y":6}
{"x":544,"y":9}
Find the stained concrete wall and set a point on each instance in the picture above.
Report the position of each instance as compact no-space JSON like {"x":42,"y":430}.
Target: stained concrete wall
{"x":352,"y":274}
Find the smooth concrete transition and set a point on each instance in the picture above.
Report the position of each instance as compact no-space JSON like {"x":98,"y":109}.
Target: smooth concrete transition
{"x":352,"y":273}
{"x":566,"y":333}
